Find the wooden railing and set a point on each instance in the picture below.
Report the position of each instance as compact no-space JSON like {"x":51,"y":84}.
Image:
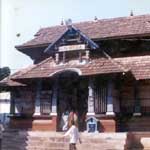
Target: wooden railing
{"x":45,"y":108}
{"x":100,"y":96}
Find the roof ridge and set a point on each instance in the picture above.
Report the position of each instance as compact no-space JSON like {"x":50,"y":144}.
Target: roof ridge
{"x":98,"y":20}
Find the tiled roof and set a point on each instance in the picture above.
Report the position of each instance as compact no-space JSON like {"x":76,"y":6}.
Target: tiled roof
{"x":48,"y":67}
{"x":139,"y":66}
{"x":8,"y":80}
{"x":101,"y":29}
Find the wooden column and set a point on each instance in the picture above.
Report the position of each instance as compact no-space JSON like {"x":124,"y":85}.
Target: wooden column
{"x":87,"y":55}
{"x":90,"y":98}
{"x":57,"y":58}
{"x":110,"y":107}
{"x":37,"y":99}
{"x":64,"y":57}
{"x":12,"y":105}
{"x":137,"y":105}
{"x":54,"y":98}
{"x":80,"y":56}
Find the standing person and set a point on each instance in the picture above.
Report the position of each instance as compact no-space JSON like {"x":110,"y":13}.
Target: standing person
{"x":64,"y":122}
{"x":73,"y":132}
{"x":73,"y":117}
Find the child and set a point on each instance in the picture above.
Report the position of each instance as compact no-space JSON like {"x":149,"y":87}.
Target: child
{"x":73,"y":132}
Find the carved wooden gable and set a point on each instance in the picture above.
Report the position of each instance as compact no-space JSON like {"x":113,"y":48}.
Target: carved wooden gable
{"x":71,"y":40}
{"x":72,"y":44}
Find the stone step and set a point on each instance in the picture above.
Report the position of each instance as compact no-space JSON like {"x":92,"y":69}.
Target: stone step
{"x":31,"y":140}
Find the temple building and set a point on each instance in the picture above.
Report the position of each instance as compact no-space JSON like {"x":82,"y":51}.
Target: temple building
{"x":101,"y":68}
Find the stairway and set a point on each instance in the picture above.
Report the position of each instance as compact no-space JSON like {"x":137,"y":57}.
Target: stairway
{"x":102,"y":141}
{"x":34,"y":140}
{"x":31,"y":140}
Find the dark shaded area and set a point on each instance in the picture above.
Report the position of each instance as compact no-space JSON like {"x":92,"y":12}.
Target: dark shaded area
{"x":14,"y":140}
{"x":4,"y":72}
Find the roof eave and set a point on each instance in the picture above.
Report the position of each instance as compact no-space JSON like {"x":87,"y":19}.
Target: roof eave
{"x":23,"y":47}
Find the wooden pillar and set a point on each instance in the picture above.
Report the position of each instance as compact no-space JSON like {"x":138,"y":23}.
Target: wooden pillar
{"x":64,"y":57}
{"x":137,"y":105}
{"x":12,"y":105}
{"x":54,"y":98}
{"x":90,"y":98}
{"x":80,"y":56}
{"x":87,"y":55}
{"x":110,"y":107}
{"x":37,"y":99}
{"x":57,"y":58}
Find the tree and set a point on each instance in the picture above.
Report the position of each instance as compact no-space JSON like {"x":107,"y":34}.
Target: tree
{"x":4,"y":72}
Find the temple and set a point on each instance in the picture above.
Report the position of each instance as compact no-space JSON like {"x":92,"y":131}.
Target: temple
{"x":101,"y":68}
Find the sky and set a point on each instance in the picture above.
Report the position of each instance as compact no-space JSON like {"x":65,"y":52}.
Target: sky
{"x":26,"y":17}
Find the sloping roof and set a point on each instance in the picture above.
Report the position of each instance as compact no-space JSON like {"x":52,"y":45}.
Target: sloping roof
{"x":8,"y":82}
{"x":48,"y":67}
{"x":11,"y":83}
{"x":131,"y":26}
{"x":72,"y":30}
{"x":139,"y":66}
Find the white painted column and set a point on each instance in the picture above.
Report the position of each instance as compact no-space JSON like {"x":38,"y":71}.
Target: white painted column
{"x":37,"y":99}
{"x":91,"y":98}
{"x":110,"y":107}
{"x":54,"y":98}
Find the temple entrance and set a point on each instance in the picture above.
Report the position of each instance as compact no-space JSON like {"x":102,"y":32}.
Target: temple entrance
{"x":72,"y":94}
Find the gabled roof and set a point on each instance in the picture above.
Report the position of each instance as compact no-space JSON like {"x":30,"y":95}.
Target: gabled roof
{"x":132,"y":26}
{"x":73,"y":31}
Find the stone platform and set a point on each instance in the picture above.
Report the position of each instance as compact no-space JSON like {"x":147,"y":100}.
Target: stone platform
{"x":35,"y":140}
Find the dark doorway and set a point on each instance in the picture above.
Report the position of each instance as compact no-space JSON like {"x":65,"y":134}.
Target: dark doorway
{"x":72,"y":93}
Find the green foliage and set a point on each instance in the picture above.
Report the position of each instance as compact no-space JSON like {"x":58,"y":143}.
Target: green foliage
{"x":4,"y":72}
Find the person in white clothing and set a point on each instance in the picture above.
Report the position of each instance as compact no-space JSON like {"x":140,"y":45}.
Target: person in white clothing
{"x":64,"y":122}
{"x":73,"y":132}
